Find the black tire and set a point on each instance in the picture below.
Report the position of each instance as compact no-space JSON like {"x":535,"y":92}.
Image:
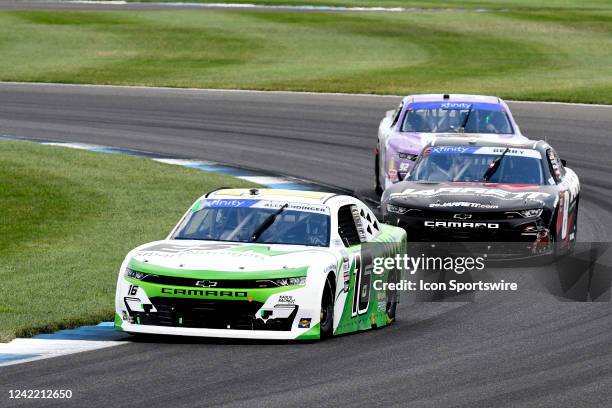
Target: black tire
{"x":558,"y":253}
{"x":575,"y":229}
{"x":327,"y":311}
{"x":392,"y":297}
{"x":378,"y":187}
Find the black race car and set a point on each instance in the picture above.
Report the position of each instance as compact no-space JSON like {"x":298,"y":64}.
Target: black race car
{"x":467,"y":189}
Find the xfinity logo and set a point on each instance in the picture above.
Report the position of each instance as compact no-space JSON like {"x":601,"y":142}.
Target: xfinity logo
{"x":457,"y":216}
{"x":206,"y":283}
{"x":449,"y":149}
{"x":455,"y":105}
{"x":458,"y":224}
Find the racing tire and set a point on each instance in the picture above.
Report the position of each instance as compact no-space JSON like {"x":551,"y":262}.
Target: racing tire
{"x":377,"y":187}
{"x":392,"y":298}
{"x":326,"y":324}
{"x":575,"y":227}
{"x":569,"y":251}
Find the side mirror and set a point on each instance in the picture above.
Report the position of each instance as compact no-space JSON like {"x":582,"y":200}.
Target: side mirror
{"x":564,"y":163}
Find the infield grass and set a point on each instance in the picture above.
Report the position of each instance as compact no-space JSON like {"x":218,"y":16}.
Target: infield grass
{"x":550,"y":54}
{"x":69,"y":217}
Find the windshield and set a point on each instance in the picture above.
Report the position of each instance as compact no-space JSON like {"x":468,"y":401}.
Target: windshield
{"x":238,"y":220}
{"x":470,"y":164}
{"x":455,"y":118}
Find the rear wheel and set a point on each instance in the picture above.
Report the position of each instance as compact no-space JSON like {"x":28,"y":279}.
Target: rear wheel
{"x":327,"y":311}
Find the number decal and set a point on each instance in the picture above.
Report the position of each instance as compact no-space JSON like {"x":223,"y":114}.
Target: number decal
{"x":363,"y":283}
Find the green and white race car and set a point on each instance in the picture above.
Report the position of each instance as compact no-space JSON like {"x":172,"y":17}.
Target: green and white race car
{"x":261,"y":264}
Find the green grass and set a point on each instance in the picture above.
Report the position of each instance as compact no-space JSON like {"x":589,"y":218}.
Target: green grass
{"x":69,"y":218}
{"x":558,"y":54}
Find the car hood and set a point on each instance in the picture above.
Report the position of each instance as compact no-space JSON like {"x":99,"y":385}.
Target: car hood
{"x":413,"y":142}
{"x":231,"y":257}
{"x":471,"y":196}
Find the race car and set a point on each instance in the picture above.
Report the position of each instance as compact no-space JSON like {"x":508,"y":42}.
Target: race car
{"x":403,"y":132}
{"x":479,"y":191}
{"x":261,"y":264}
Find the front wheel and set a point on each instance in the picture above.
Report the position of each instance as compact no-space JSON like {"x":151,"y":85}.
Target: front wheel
{"x":327,"y":311}
{"x":378,"y":187}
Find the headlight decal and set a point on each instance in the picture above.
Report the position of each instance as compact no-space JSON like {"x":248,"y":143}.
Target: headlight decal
{"x":396,"y":209}
{"x":530,"y":213}
{"x":130,"y":273}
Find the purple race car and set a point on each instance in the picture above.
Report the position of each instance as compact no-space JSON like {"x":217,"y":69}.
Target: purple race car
{"x":419,"y":118}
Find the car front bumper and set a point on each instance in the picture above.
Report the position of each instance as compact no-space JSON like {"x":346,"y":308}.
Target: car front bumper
{"x":285,"y":313}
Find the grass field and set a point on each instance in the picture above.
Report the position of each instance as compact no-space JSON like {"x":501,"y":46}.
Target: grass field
{"x":561,"y":52}
{"x":69,"y":218}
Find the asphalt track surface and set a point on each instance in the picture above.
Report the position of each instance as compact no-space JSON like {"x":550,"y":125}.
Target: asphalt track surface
{"x":504,"y":351}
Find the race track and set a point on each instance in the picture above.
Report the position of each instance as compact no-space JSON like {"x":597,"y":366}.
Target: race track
{"x":527,"y":350}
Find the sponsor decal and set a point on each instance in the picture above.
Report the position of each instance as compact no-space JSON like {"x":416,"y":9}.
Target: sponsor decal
{"x":358,"y":223}
{"x":295,"y":206}
{"x":486,"y":150}
{"x":456,"y":105}
{"x":166,"y":248}
{"x":250,"y":203}
{"x":462,"y":204}
{"x":461,"y":224}
{"x":304,"y":323}
{"x":571,"y":182}
{"x":473,"y":191}
{"x":225,"y":203}
{"x":286,"y":299}
{"x":346,"y":275}
{"x":346,"y":270}
{"x":236,"y":250}
{"x":555,"y":164}
{"x":203,"y":292}
{"x":452,"y":149}
{"x":392,"y":172}
{"x":490,"y":150}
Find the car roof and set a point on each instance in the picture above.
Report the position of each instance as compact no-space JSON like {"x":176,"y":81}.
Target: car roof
{"x":452,"y":98}
{"x":475,"y":140}
{"x":312,"y":197}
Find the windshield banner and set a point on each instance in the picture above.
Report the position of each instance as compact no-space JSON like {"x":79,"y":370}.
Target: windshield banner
{"x":250,"y":203}
{"x":487,"y":150}
{"x":456,"y":106}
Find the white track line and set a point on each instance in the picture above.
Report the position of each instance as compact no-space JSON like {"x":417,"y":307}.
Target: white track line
{"x":248,"y":6}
